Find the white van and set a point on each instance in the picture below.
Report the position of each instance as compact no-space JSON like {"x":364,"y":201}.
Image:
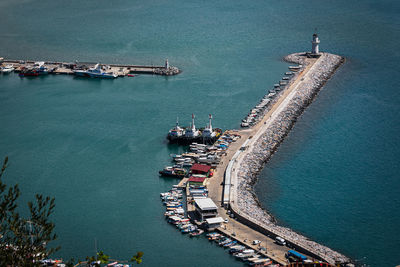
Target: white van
{"x":280,"y":241}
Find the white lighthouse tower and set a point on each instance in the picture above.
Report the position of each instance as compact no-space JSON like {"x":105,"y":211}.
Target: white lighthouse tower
{"x":166,"y":64}
{"x":315,"y":46}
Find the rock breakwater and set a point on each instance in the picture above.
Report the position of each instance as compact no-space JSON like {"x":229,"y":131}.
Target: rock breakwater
{"x":268,"y":139}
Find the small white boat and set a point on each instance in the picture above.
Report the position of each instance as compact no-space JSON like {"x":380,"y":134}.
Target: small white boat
{"x":7,"y":69}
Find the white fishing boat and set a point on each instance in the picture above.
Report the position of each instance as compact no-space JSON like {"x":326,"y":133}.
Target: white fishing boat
{"x":208,"y":131}
{"x":192,"y":132}
{"x":40,"y":68}
{"x":96,"y":72}
{"x":176,"y":132}
{"x":7,"y":69}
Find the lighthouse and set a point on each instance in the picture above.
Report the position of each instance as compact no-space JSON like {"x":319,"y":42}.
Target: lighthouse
{"x":166,"y":64}
{"x":315,"y":46}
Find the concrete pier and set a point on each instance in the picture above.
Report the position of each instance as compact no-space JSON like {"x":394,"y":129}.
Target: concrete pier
{"x":233,"y":180}
{"x":58,"y":67}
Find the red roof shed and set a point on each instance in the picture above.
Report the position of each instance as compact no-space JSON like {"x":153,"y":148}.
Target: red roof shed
{"x":200,"y":168}
{"x":196,"y":179}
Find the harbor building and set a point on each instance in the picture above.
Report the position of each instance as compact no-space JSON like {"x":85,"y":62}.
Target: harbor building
{"x":200,"y":169}
{"x":197,"y":181}
{"x":205,"y":208}
{"x":214,"y":223}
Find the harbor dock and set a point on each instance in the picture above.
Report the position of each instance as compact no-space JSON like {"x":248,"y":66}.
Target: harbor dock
{"x":235,"y":173}
{"x":223,"y":198}
{"x":247,"y":157}
{"x":120,"y":70}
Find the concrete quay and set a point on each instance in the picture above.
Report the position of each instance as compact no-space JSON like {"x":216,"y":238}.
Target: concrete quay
{"x":58,"y":67}
{"x":246,"y":157}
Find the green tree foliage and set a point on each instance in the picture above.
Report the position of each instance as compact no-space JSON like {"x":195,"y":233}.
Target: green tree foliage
{"x":137,"y":258}
{"x":23,"y":241}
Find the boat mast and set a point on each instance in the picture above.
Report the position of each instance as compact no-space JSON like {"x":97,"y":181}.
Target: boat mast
{"x":210,"y":126}
{"x":193,"y":126}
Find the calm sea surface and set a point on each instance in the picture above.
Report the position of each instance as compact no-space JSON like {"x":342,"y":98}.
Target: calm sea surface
{"x":97,"y":145}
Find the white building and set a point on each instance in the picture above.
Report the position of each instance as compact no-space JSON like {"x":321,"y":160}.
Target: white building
{"x":205,"y":208}
{"x":213,"y":223}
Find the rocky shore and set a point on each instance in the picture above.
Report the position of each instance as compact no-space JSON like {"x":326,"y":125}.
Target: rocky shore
{"x":261,"y":149}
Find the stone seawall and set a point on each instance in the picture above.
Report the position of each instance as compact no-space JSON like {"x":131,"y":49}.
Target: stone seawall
{"x":245,"y":203}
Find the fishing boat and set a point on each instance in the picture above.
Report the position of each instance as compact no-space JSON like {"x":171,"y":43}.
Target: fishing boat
{"x":192,"y":132}
{"x":236,"y":249}
{"x":173,"y":172}
{"x":96,"y":72}
{"x":40,"y":68}
{"x":28,"y":72}
{"x":7,"y":69}
{"x":196,"y":233}
{"x":295,"y":68}
{"x":208,"y":131}
{"x":176,"y":132}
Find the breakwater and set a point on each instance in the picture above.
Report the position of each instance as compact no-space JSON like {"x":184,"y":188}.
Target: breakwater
{"x":266,"y":139}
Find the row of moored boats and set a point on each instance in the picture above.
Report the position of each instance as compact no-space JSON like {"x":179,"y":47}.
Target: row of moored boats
{"x":240,"y":251}
{"x":198,"y":154}
{"x":39,"y":69}
{"x":175,"y":213}
{"x":256,"y":114}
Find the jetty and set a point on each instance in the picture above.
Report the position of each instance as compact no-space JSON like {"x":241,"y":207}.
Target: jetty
{"x":231,"y":184}
{"x":247,"y":157}
{"x":120,"y":70}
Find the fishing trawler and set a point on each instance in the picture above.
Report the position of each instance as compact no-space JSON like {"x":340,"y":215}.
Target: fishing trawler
{"x":96,"y":72}
{"x":188,"y":135}
{"x":191,"y":133}
{"x":176,"y":132}
{"x":173,"y":172}
{"x":40,"y":68}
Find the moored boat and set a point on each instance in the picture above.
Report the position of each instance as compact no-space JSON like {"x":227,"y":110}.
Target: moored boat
{"x":7,"y":69}
{"x":95,"y":72}
{"x":30,"y":72}
{"x":173,"y":172}
{"x":176,"y":132}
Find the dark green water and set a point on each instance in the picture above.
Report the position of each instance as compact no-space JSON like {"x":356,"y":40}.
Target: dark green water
{"x":97,"y":145}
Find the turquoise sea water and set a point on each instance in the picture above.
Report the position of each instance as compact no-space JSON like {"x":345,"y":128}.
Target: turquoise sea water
{"x":97,"y":145}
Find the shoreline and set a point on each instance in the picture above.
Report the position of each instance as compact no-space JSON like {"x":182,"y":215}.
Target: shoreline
{"x":269,"y":134}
